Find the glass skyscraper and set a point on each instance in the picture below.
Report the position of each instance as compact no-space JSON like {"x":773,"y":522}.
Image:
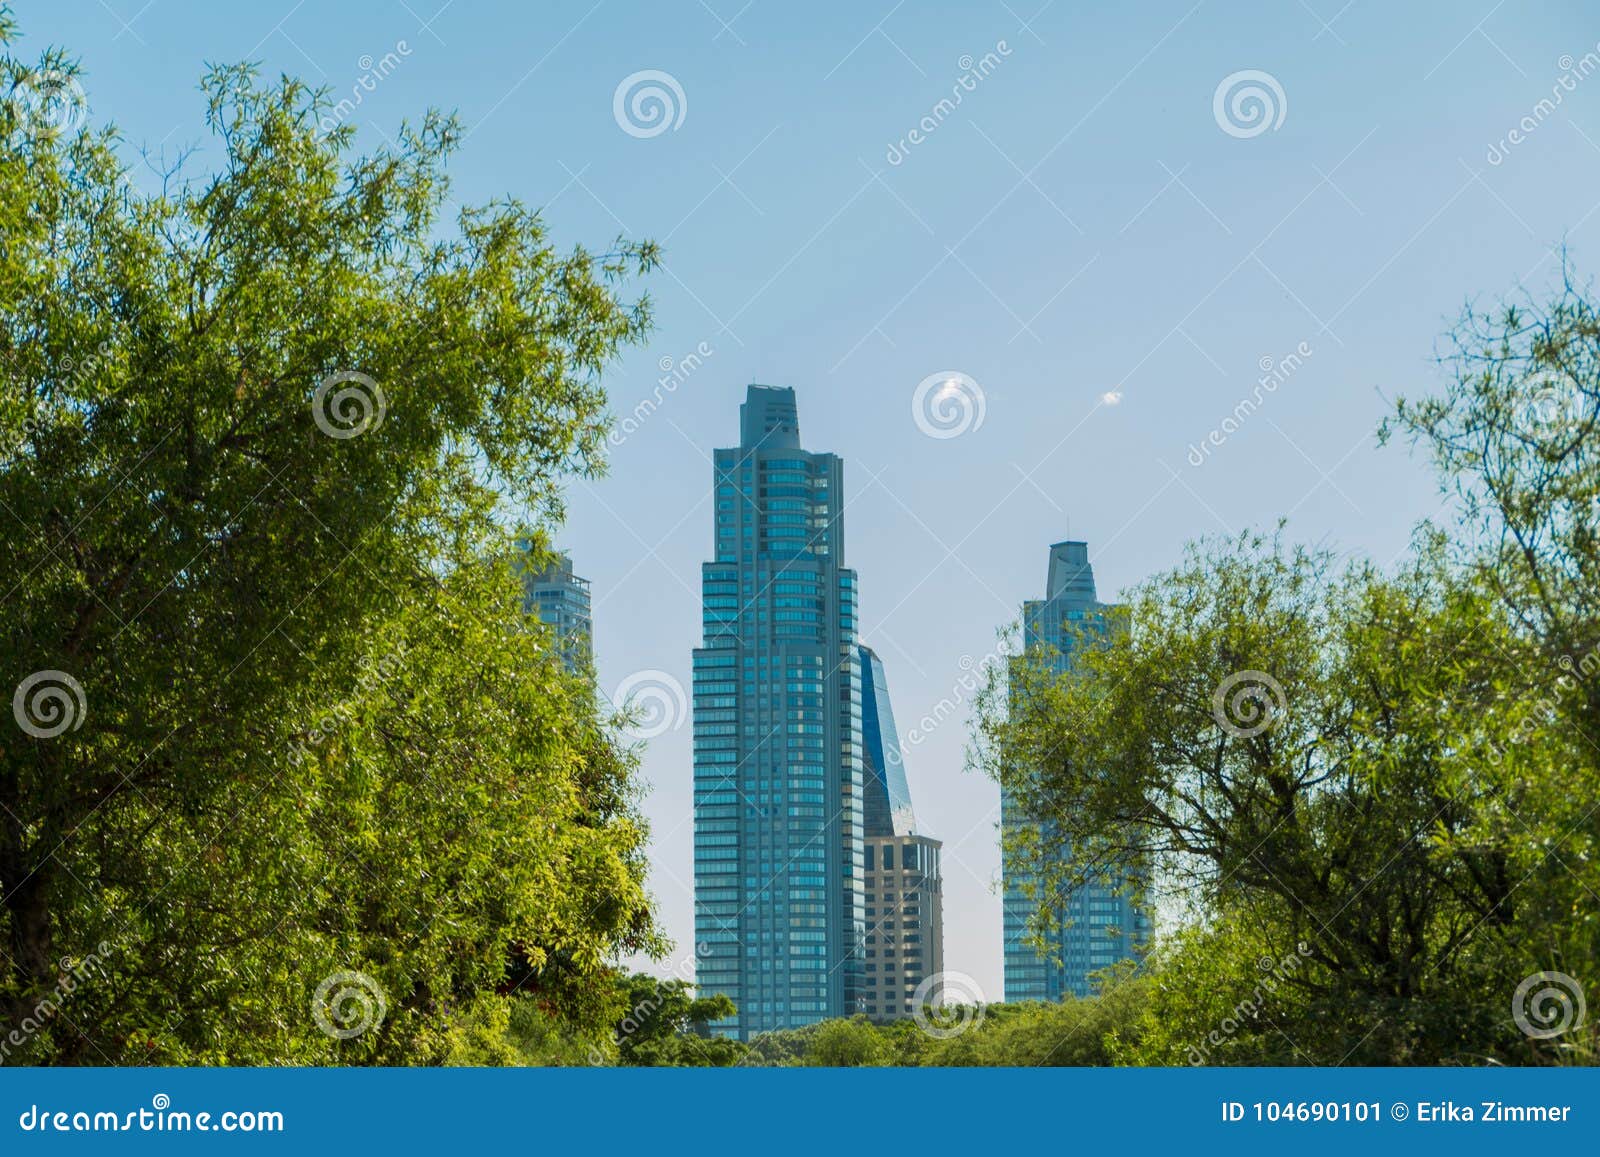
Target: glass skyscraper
{"x":904,"y":885}
{"x":778,"y":758}
{"x":1098,"y":924}
{"x":888,"y":796}
{"x":561,"y":600}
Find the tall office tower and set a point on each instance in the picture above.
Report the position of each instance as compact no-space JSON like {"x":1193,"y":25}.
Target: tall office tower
{"x":778,"y":761}
{"x":561,"y":600}
{"x":904,"y":888}
{"x":1098,"y":924}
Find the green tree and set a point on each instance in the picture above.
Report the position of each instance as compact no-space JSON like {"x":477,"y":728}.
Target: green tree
{"x":1072,"y":1032}
{"x":1515,"y":435}
{"x":852,"y":1043}
{"x":1101,"y":1030}
{"x":781,"y":1048}
{"x":263,"y":431}
{"x":1385,"y":780}
{"x":662,"y":1024}
{"x":1293,"y":745}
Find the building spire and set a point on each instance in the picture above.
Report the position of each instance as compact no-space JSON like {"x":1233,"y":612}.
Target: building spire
{"x":887,"y":795}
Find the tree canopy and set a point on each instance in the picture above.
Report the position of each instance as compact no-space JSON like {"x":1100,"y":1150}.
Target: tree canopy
{"x":291,"y":775}
{"x":1387,"y":775}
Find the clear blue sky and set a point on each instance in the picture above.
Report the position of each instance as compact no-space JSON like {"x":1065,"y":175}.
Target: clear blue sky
{"x":1081,"y":224}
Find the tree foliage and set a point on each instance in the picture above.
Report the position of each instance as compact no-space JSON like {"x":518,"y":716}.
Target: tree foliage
{"x":663,"y":1024}
{"x":1516,"y":439}
{"x":1386,"y":775}
{"x":267,"y":431}
{"x":1093,"y":1031}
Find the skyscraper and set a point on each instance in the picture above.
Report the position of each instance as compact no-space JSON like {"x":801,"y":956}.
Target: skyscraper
{"x":904,"y":887}
{"x":1098,"y":924}
{"x":561,"y":600}
{"x":778,"y":762}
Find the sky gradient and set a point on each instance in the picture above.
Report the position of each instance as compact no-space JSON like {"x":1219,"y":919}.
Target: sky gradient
{"x":1109,"y":259}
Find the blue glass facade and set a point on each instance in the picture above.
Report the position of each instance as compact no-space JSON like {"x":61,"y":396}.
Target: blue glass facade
{"x":904,"y":885}
{"x":887,"y":807}
{"x":778,"y":756}
{"x":561,"y":600}
{"x":1098,"y":924}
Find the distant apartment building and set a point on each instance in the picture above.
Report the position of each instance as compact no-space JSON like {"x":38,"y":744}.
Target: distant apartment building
{"x":905,"y":924}
{"x":778,"y":762}
{"x":1099,"y":924}
{"x":904,"y":888}
{"x":561,"y":600}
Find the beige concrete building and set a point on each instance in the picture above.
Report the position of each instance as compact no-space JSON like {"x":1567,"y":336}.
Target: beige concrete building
{"x":905,"y":924}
